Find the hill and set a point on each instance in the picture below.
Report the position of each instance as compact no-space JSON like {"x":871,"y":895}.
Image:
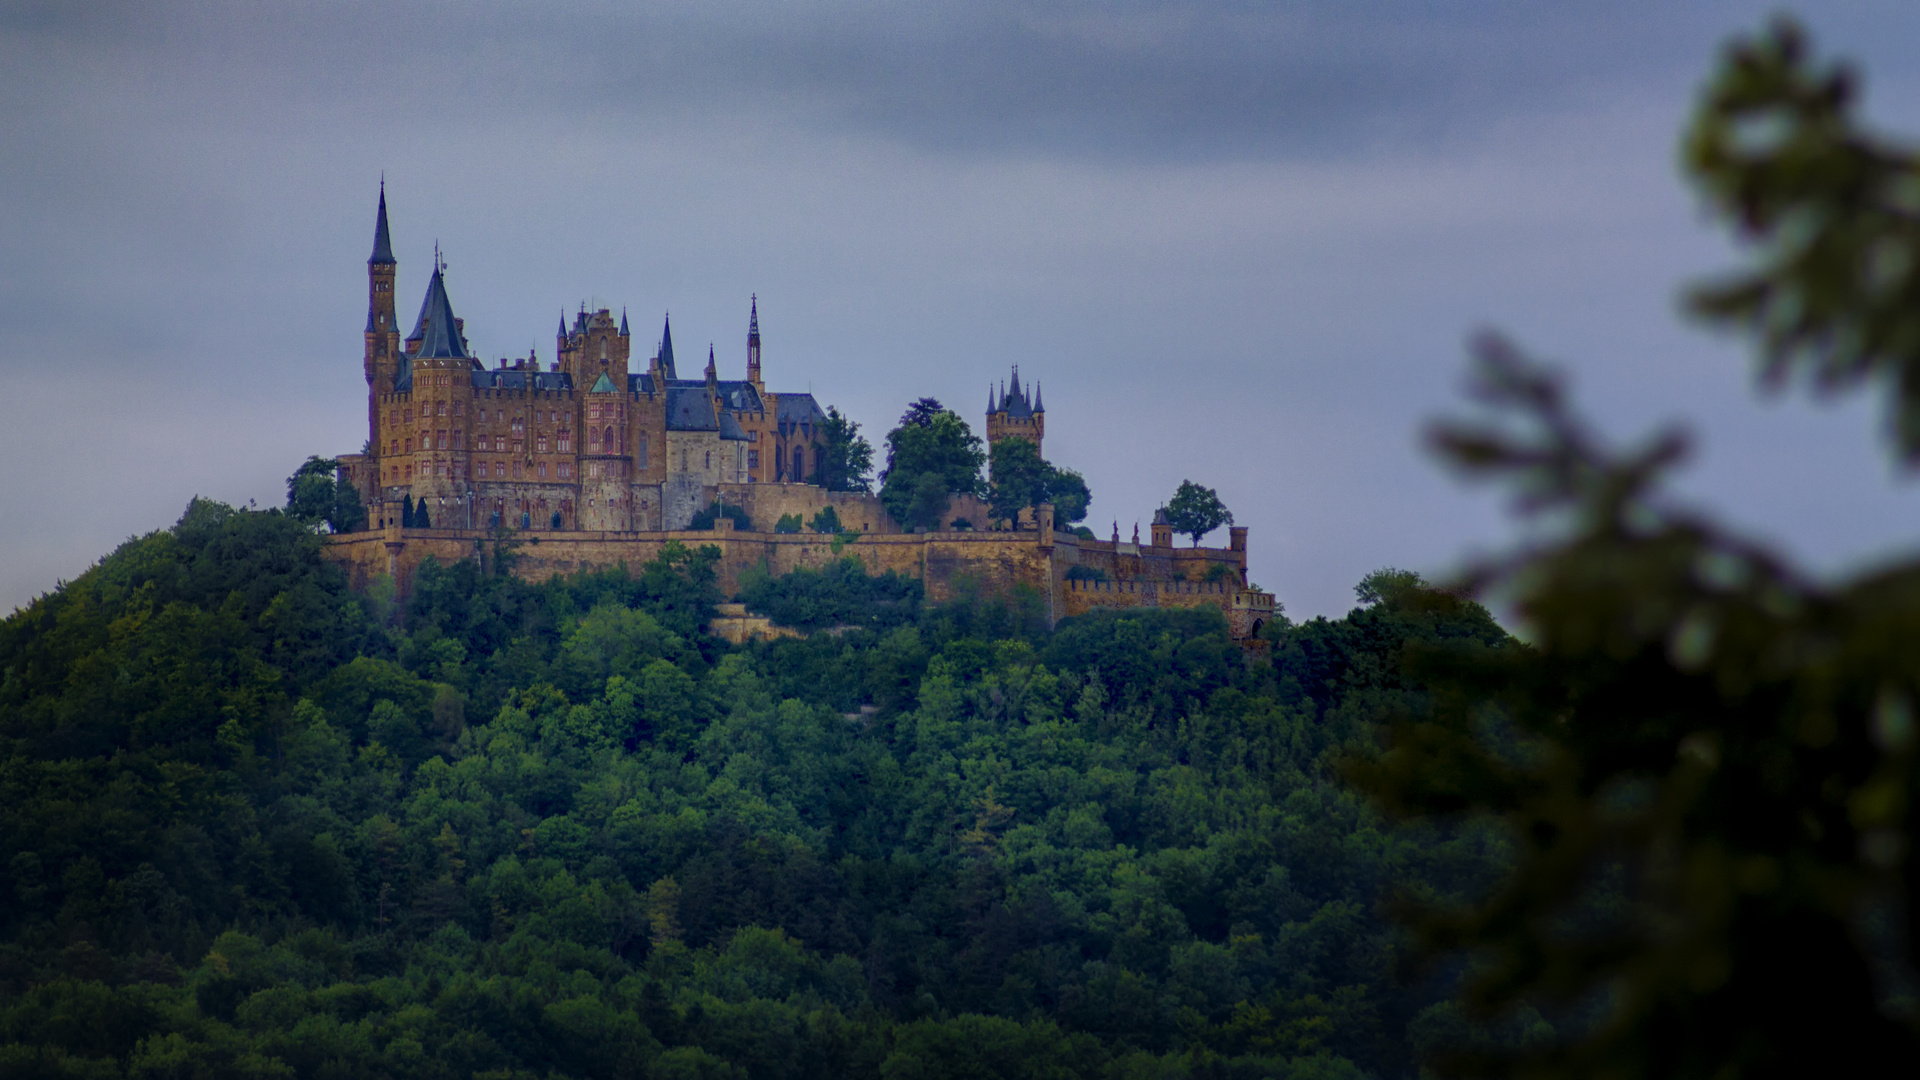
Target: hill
{"x":258,"y":825}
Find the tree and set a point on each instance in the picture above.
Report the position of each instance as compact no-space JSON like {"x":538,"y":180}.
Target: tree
{"x":845,"y":456}
{"x":933,"y":448}
{"x":1068,"y":492}
{"x":315,"y":495}
{"x":1196,"y":511}
{"x":1020,"y":478}
{"x":919,"y":414}
{"x":420,"y":518}
{"x":826,"y":521}
{"x":310,"y":493}
{"x":1705,"y":759}
{"x":788,"y":523}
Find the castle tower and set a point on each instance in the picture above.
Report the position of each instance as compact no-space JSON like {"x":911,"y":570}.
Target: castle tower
{"x":1014,"y":415}
{"x":753,"y":346}
{"x":383,"y":337}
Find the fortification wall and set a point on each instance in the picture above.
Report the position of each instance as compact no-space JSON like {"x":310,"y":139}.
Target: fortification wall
{"x":949,"y":564}
{"x":766,"y":504}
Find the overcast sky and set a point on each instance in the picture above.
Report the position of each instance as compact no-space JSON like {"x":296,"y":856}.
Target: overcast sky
{"x":1237,"y":243}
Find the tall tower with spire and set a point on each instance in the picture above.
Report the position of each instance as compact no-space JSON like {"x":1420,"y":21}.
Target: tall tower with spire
{"x":1012,"y":414}
{"x":753,"y":345}
{"x":383,"y":336}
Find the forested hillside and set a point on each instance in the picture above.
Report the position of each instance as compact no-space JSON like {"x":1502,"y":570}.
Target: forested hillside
{"x":255,"y":825}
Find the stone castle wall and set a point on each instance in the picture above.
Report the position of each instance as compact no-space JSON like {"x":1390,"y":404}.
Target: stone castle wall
{"x":949,"y":564}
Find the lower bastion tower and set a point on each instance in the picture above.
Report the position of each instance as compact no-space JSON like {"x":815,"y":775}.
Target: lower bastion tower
{"x":602,"y":456}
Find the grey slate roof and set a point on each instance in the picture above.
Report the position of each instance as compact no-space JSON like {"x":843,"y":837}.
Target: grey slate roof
{"x":382,"y":246}
{"x":1016,"y":403}
{"x":666,"y":349}
{"x":496,"y":379}
{"x":798,"y":409}
{"x":688,"y":409}
{"x":437,"y":331}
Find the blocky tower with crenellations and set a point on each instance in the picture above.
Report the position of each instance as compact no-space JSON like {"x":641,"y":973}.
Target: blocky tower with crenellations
{"x":1012,"y":415}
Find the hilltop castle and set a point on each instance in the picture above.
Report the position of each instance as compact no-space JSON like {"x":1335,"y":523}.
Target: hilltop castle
{"x":593,"y":441}
{"x":596,"y":460}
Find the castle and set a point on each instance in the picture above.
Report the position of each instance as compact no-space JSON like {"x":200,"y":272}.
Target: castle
{"x":596,"y":461}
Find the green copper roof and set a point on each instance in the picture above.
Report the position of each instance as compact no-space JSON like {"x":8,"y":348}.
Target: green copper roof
{"x":602,"y":385}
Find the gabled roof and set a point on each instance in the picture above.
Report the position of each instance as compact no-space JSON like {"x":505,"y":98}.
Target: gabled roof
{"x":437,"y":331}
{"x":689,"y":409}
{"x":799,"y":409}
{"x":602,"y":385}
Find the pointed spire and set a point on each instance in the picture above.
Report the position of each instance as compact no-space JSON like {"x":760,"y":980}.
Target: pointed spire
{"x":753,"y":320}
{"x":623,"y":323}
{"x":382,"y":244}
{"x":1037,"y":407}
{"x":1016,"y":380}
{"x":712,"y":370}
{"x":991,"y":407}
{"x":563,"y":322}
{"x":437,"y":330}
{"x":666,"y":348}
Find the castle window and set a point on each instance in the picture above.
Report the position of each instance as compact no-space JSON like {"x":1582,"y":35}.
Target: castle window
{"x":709,"y":459}
{"x":593,"y":438}
{"x":541,"y":444}
{"x":543,"y":470}
{"x":458,"y":408}
{"x":441,"y":409}
{"x":441,"y":439}
{"x":408,"y":413}
{"x":500,"y":443}
{"x":643,"y":451}
{"x":753,"y":459}
{"x":409,"y":446}
{"x":607,"y":443}
{"x":456,"y":438}
{"x":566,"y":471}
{"x":566,"y":442}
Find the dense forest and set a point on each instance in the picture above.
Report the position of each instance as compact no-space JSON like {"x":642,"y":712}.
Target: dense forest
{"x":257,"y":825}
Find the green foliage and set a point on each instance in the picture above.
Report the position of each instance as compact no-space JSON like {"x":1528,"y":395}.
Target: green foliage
{"x":932,"y":455}
{"x":845,"y":457}
{"x":556,"y":830}
{"x":1831,"y":213}
{"x":826,"y":521}
{"x":843,"y":594}
{"x":316,"y":494}
{"x":1196,"y":511}
{"x":705,"y":519}
{"x":1388,"y":583}
{"x":1703,"y":762}
{"x":1068,"y":492}
{"x":1019,"y":477}
{"x":788,"y":523}
{"x":1086,"y":573}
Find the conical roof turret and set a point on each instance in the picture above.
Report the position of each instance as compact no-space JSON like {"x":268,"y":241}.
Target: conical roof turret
{"x":666,"y":348}
{"x":438,"y":331}
{"x":382,"y":243}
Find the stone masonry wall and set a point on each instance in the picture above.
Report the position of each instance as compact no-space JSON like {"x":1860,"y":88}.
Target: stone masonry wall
{"x":950,"y":564}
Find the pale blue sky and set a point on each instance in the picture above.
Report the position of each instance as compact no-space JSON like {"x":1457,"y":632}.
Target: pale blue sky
{"x":1240,"y":243}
